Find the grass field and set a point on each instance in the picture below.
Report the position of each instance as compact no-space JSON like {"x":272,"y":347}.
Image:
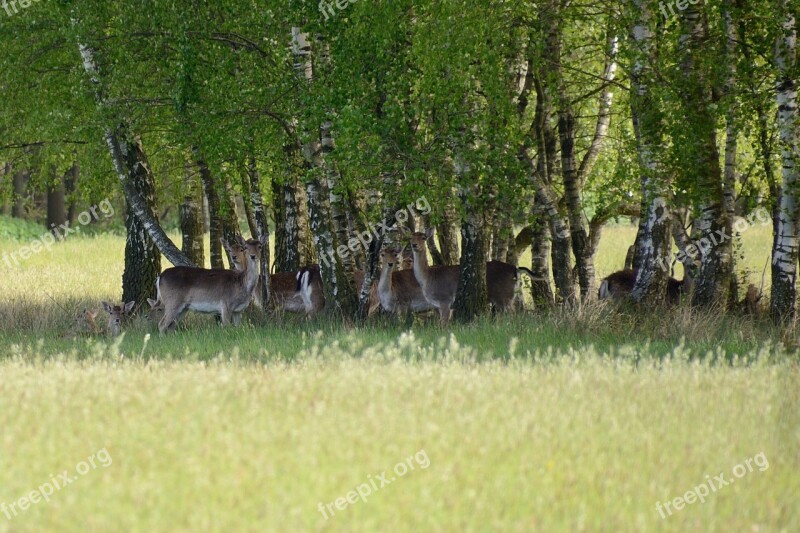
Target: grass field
{"x":566,"y":420}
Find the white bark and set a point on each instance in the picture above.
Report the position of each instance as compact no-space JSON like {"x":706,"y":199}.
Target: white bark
{"x":785,"y":249}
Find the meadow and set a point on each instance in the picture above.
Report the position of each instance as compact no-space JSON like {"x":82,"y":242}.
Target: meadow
{"x":581,"y":420}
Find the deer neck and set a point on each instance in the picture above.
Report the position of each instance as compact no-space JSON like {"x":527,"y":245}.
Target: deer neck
{"x":249,"y":276}
{"x":421,"y":267}
{"x":385,"y":281}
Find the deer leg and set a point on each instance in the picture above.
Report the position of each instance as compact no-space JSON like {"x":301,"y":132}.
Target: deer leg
{"x":444,"y":314}
{"x":226,"y":316}
{"x":169,"y":319}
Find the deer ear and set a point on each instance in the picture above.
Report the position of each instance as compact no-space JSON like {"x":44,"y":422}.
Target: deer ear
{"x":429,"y":233}
{"x":152,"y":302}
{"x":129,"y":306}
{"x":225,"y":244}
{"x":240,"y":240}
{"x":91,"y":314}
{"x":107,"y":306}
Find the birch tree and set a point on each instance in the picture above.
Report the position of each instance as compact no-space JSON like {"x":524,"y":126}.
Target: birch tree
{"x":785,"y":247}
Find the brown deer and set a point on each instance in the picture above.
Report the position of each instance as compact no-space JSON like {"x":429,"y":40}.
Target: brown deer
{"x":285,"y":292}
{"x":398,"y":290}
{"x":83,"y":324}
{"x":620,"y":284}
{"x":156,"y":311}
{"x":117,"y":314}
{"x":223,"y":292}
{"x":309,"y":282}
{"x":439,"y":283}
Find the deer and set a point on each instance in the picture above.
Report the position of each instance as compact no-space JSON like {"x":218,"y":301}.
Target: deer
{"x":309,"y":283}
{"x":116,"y":315}
{"x":291,"y":291}
{"x":84,"y":323}
{"x":219,"y":291}
{"x":439,"y":283}
{"x":156,"y":311}
{"x":620,"y":284}
{"x":398,"y":290}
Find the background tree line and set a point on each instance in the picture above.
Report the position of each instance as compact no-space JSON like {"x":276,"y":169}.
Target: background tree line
{"x":524,"y":124}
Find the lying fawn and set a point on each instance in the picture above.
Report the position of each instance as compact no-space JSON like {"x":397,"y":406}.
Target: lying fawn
{"x":117,"y":314}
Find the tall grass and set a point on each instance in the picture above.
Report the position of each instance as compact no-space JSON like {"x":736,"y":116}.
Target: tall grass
{"x":582,"y":440}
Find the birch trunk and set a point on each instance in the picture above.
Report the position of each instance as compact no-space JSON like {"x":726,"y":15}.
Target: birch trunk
{"x":191,"y":219}
{"x":541,"y":291}
{"x":471,"y":296}
{"x":653,"y":245}
{"x":287,"y":230}
{"x":785,"y":248}
{"x":447,"y":232}
{"x":731,"y":136}
{"x":142,"y":258}
{"x":262,"y":227}
{"x":222,"y":222}
{"x":542,"y":171}
{"x":129,"y":159}
{"x":338,"y":289}
{"x":712,"y":226}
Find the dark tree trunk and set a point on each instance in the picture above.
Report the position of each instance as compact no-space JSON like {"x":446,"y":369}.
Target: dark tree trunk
{"x":21,"y":178}
{"x":246,"y":200}
{"x":433,"y":248}
{"x":256,"y":200}
{"x":192,"y":230}
{"x":541,"y":290}
{"x":142,"y":257}
{"x":214,"y":222}
{"x":543,"y":170}
{"x":448,"y":237}
{"x":713,"y":281}
{"x":71,"y":185}
{"x":5,"y":172}
{"x":340,"y":296}
{"x":471,"y":297}
{"x":287,"y":229}
{"x":56,"y":201}
{"x":305,"y":240}
{"x":572,"y":191}
{"x":500,"y":238}
{"x":222,"y":215}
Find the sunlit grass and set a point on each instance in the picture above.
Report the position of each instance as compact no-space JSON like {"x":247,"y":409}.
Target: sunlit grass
{"x":577,"y":441}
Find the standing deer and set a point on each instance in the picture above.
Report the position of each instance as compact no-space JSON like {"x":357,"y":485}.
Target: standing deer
{"x":286,"y":290}
{"x":286,"y":293}
{"x":223,"y":292}
{"x":116,"y":315}
{"x":398,"y":290}
{"x":309,"y":282}
{"x":440,"y":283}
{"x":156,"y":311}
{"x":620,"y":284}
